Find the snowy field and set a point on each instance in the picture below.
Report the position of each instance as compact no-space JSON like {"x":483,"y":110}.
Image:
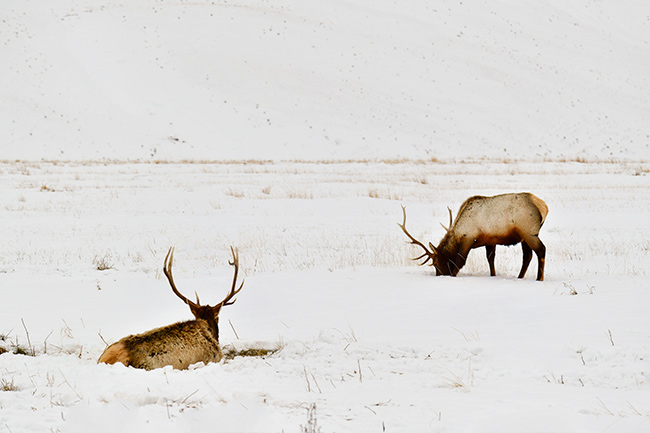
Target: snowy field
{"x":374,"y":341}
{"x":295,"y":131}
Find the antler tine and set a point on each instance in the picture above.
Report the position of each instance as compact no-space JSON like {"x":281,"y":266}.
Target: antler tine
{"x":450,"y":220}
{"x":234,"y":262}
{"x":422,"y":257}
{"x":167,"y":270}
{"x":428,"y":254}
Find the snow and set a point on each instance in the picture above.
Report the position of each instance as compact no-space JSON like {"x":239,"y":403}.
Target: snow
{"x":374,"y":341}
{"x":361,"y":79}
{"x":295,"y":131}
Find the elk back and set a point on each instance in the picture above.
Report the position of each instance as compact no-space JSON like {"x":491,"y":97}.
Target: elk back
{"x":179,"y":345}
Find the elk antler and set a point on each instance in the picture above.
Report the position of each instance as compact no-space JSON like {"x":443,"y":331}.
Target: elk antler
{"x":450,"y":220}
{"x":234,"y":262}
{"x":167,"y":270}
{"x":430,"y":255}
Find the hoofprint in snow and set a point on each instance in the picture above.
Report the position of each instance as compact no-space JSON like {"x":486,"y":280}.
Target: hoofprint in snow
{"x":374,"y":342}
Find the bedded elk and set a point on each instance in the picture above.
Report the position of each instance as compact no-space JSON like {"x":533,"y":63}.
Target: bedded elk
{"x":505,"y":219}
{"x":181,"y":344}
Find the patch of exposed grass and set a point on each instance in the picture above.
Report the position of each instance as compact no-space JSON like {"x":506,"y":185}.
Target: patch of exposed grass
{"x":7,"y":385}
{"x":105,"y":262}
{"x":231,"y":352}
{"x":17,"y":350}
{"x":237,"y":193}
{"x":20,"y":350}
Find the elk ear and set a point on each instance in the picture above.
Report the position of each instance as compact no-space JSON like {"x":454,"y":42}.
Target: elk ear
{"x":195,"y":309}
{"x":432,"y":248}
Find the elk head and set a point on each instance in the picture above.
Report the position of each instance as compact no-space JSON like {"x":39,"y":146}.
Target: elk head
{"x":208,"y":313}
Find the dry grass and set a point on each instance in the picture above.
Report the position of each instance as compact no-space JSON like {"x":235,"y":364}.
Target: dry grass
{"x":17,"y":349}
{"x":387,"y":161}
{"x":312,"y":421}
{"x":299,"y":194}
{"x":386,"y":194}
{"x":104,"y":262}
{"x":7,"y":385}
{"x":258,"y":352}
{"x":463,"y":382}
{"x":237,"y":193}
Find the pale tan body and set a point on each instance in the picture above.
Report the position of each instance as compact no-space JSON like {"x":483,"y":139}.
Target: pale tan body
{"x":179,"y":345}
{"x":486,"y":220}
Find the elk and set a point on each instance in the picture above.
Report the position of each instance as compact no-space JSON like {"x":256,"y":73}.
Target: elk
{"x":181,"y":344}
{"x":505,"y":219}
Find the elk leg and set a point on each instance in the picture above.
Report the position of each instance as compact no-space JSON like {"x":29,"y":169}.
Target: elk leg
{"x":528,"y":255}
{"x":489,"y":252}
{"x":536,"y":245}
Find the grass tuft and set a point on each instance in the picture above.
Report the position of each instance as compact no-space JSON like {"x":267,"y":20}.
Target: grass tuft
{"x":312,"y":421}
{"x":231,"y":353}
{"x":19,"y":350}
{"x":7,"y":385}
{"x":104,"y":263}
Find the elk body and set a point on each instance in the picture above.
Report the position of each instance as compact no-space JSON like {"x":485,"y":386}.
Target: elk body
{"x":181,"y":344}
{"x":505,"y":219}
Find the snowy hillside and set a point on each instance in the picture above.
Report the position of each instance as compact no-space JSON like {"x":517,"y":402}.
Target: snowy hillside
{"x":358,"y":79}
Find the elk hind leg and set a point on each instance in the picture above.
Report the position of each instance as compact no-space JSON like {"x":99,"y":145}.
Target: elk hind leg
{"x":535,"y":243}
{"x":490,"y":250}
{"x":528,"y":255}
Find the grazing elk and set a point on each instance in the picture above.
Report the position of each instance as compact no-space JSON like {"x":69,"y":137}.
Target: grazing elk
{"x":181,"y":344}
{"x":505,"y":219}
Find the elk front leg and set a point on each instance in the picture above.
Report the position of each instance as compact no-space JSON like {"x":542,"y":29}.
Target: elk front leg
{"x":490,"y":250}
{"x":541,"y":256}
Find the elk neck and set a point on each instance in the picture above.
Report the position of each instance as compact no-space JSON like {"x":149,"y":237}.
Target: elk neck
{"x":208,"y":315}
{"x":213,"y":325}
{"x":446,"y":253}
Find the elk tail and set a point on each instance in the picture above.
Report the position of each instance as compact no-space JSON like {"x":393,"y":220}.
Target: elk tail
{"x":541,"y":205}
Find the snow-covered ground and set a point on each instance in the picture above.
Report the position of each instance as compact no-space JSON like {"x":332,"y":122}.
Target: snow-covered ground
{"x":373,"y":342}
{"x":295,"y":131}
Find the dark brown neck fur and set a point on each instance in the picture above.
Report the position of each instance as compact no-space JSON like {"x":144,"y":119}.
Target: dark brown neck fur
{"x":446,"y":254}
{"x":210,"y":316}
